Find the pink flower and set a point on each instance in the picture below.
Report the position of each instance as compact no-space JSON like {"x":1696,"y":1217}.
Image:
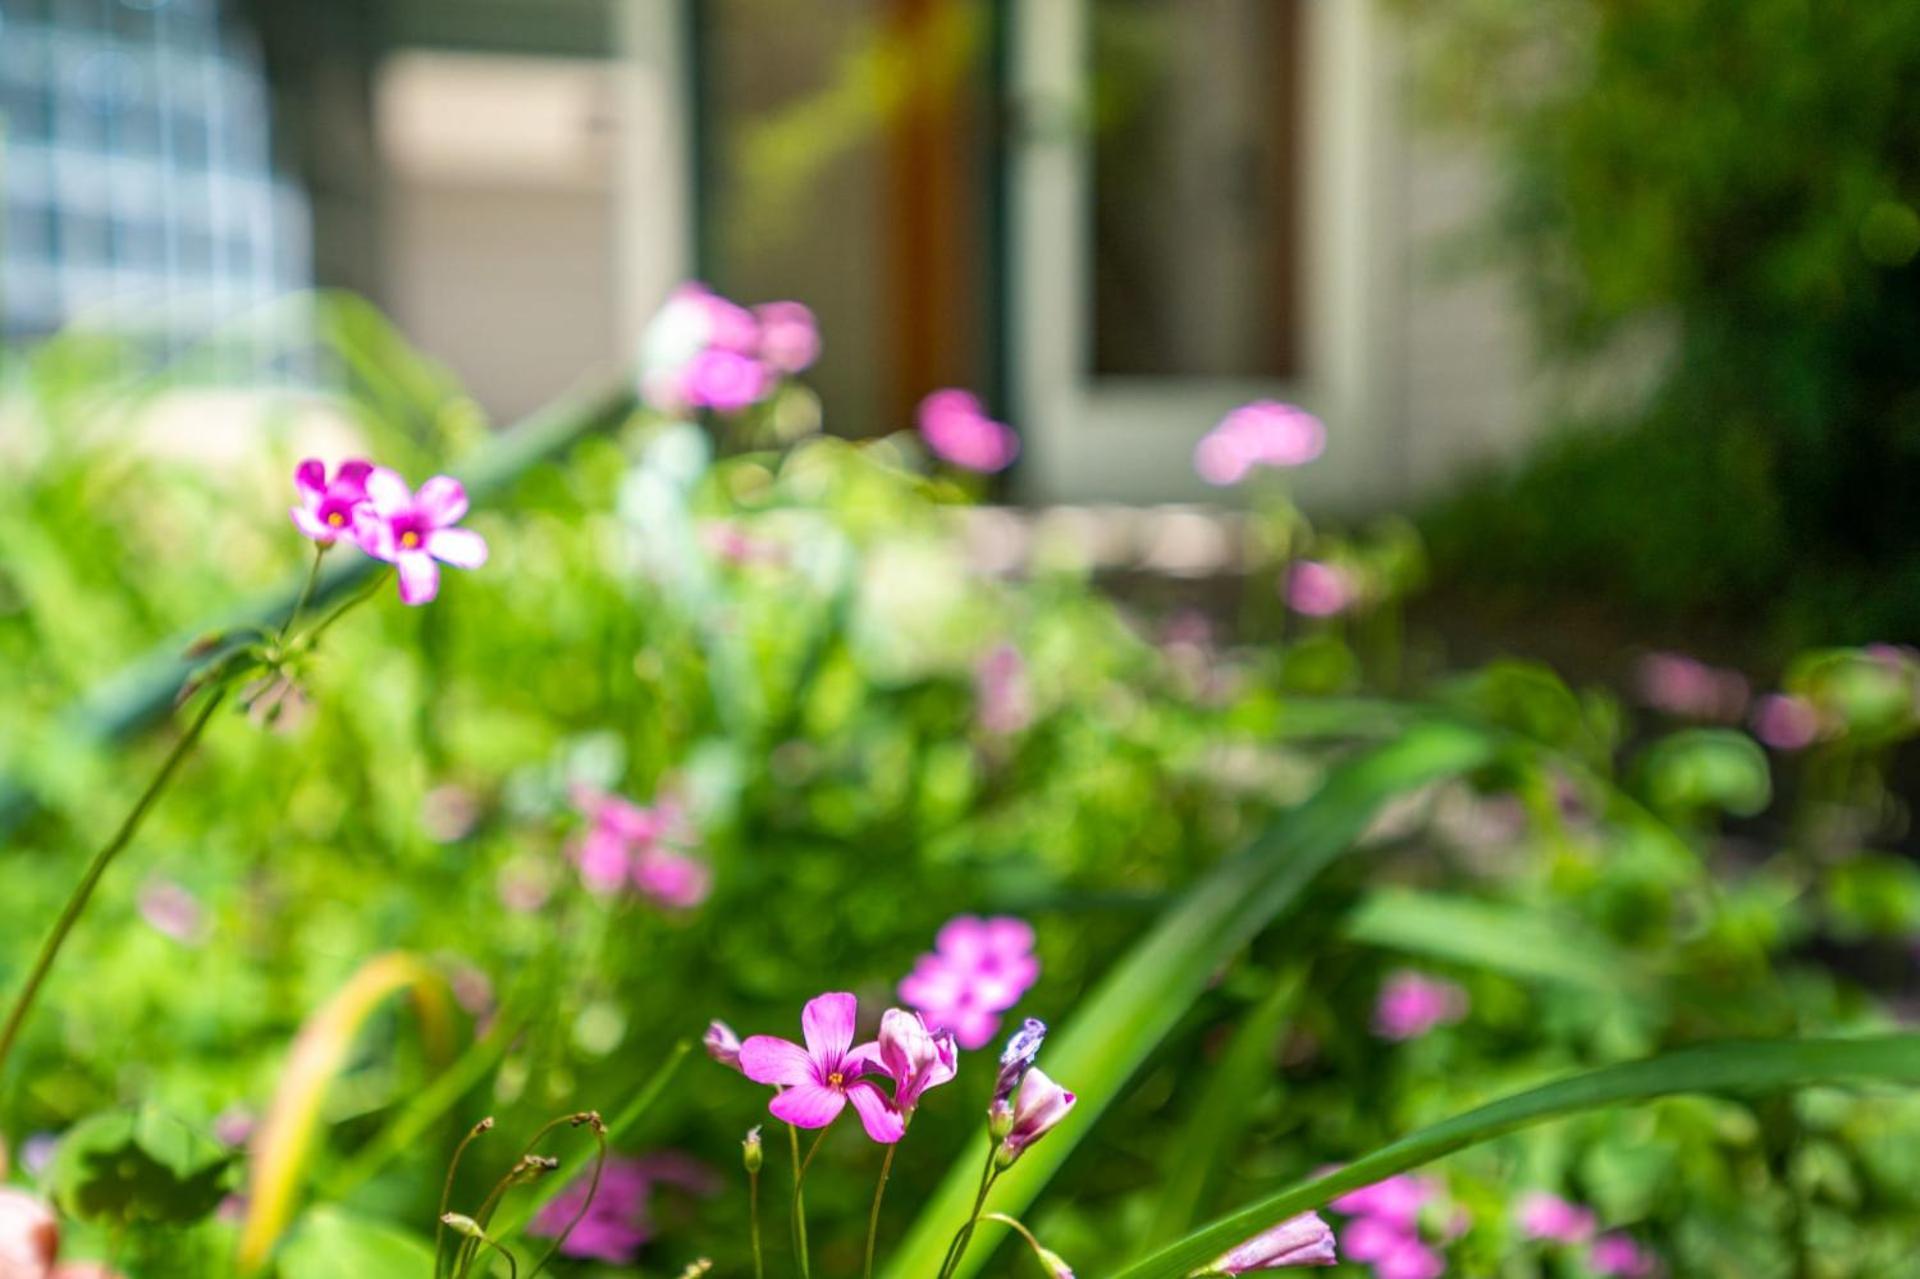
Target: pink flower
{"x":819,"y":1080}
{"x":1000,"y":691}
{"x":1304,"y":1240}
{"x":29,"y":1236}
{"x":1397,"y":1201}
{"x":956,"y":427}
{"x":1619,"y":1254}
{"x":722,"y":1044}
{"x":616,"y":1221}
{"x":627,"y":845}
{"x":328,"y":507}
{"x":416,"y":533}
{"x":234,"y":1126}
{"x":979,"y":969}
{"x":1556,"y":1220}
{"x":1786,"y":722}
{"x":170,"y":909}
{"x":1318,"y":589}
{"x":1371,"y":1239}
{"x":671,"y":879}
{"x":789,"y":338}
{"x":1038,"y":1108}
{"x":1689,"y":688}
{"x":1411,"y":1260}
{"x":1263,"y":433}
{"x":1411,"y":1004}
{"x":917,"y":1058}
{"x":724,"y":380}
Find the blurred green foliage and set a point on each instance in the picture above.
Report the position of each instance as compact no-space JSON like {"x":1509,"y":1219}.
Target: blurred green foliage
{"x":1722,"y":193}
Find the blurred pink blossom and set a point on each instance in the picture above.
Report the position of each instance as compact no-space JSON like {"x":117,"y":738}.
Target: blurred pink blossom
{"x":170,"y":909}
{"x":1412,"y":1259}
{"x":1411,"y":1004}
{"x":1001,"y":695}
{"x":1263,"y":433}
{"x":1786,"y":722}
{"x":956,"y":427}
{"x":789,"y":337}
{"x":1397,"y":1201}
{"x":233,"y":1126}
{"x":1556,"y":1220}
{"x":626,"y":845}
{"x":1620,"y":1255}
{"x":1318,"y":589}
{"x":415,"y":532}
{"x":978,"y":970}
{"x":1689,"y":688}
{"x":328,"y":506}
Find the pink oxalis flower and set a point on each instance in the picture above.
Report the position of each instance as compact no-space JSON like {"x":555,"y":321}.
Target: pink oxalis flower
{"x":956,"y":427}
{"x":1411,"y":1004}
{"x":1786,"y":722}
{"x":1304,"y":1240}
{"x":1621,"y":1255}
{"x":1038,"y":1108}
{"x":1552,"y":1219}
{"x":1398,"y":1201}
{"x":415,"y":532}
{"x":1317,"y":589}
{"x":978,"y":970}
{"x":617,"y":1218}
{"x":627,"y":844}
{"x":722,"y":1044}
{"x":818,"y":1081}
{"x":789,"y":337}
{"x":1263,"y":433}
{"x":329,"y":508}
{"x":916,"y":1057}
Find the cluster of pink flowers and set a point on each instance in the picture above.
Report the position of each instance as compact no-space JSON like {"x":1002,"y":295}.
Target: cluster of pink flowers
{"x":978,"y":969}
{"x":1412,"y":1003}
{"x":372,"y":508}
{"x":1263,"y":433}
{"x":626,"y":845}
{"x":1549,"y":1218}
{"x":1315,"y":588}
{"x":956,"y":427}
{"x":1786,"y":722}
{"x":885,"y":1078}
{"x":704,"y":352}
{"x":1383,"y":1229}
{"x":617,"y":1218}
{"x":1689,"y":688}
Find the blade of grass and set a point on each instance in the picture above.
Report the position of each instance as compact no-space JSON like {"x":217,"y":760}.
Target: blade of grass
{"x":1208,"y":1140}
{"x":1499,"y":938}
{"x":1147,"y":993}
{"x":1738,"y":1068}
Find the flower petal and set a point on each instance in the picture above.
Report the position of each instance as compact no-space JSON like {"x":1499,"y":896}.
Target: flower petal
{"x":310,"y":478}
{"x":419,"y":577}
{"x":312,"y":525}
{"x":828,"y":1021}
{"x":374,"y":534}
{"x":882,"y":1122}
{"x":352,"y":476}
{"x":460,"y":547}
{"x":769,"y":1059}
{"x":388,"y":492}
{"x":807,"y":1105}
{"x":443,"y":500}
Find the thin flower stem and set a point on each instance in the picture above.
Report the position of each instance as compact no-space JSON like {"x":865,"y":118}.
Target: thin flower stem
{"x":958,"y":1248}
{"x":77,"y":904}
{"x":879,"y":1192}
{"x":446,"y":1191}
{"x":1038,"y":1250}
{"x":513,"y":1267}
{"x":306,"y":591}
{"x":360,"y":596}
{"x":753,"y":1216}
{"x":593,"y":1190}
{"x":799,"y":1198}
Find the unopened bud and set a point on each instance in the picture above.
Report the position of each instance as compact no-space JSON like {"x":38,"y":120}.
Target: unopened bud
{"x":1055,"y":1264}
{"x":461,"y":1224}
{"x":751,"y":1153}
{"x":999,"y":1119}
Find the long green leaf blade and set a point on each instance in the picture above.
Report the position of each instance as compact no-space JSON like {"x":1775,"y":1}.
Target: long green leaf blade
{"x":1147,"y":993}
{"x":1746,"y":1068}
{"x":1511,"y":940}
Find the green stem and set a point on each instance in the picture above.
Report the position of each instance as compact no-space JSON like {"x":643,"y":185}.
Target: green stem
{"x":1039,"y":1250}
{"x":879,"y":1192}
{"x":593,"y":1190}
{"x":799,"y":1198}
{"x":446,"y":1191}
{"x":306,"y":592}
{"x":753,"y":1216}
{"x":360,"y":596}
{"x":76,"y":904}
{"x":958,"y":1248}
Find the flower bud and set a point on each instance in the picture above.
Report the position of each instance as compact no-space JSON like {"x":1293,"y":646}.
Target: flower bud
{"x":1303,"y":1240}
{"x":722,"y":1044}
{"x":1018,"y":1057}
{"x":914,"y":1056}
{"x":1040,"y":1106}
{"x":1055,"y":1264}
{"x":29,"y":1236}
{"x":751,"y":1153}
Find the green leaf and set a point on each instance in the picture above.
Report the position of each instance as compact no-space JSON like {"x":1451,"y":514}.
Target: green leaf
{"x":331,"y":1244}
{"x":1707,"y":768}
{"x":1729,"y":1068}
{"x":140,"y":1167}
{"x":1149,"y":991}
{"x":1496,"y":937}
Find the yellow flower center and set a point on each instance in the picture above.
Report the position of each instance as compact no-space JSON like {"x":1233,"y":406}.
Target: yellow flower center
{"x":836,"y":1079}
{"x":409,"y":539}
{"x":336,"y":519}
